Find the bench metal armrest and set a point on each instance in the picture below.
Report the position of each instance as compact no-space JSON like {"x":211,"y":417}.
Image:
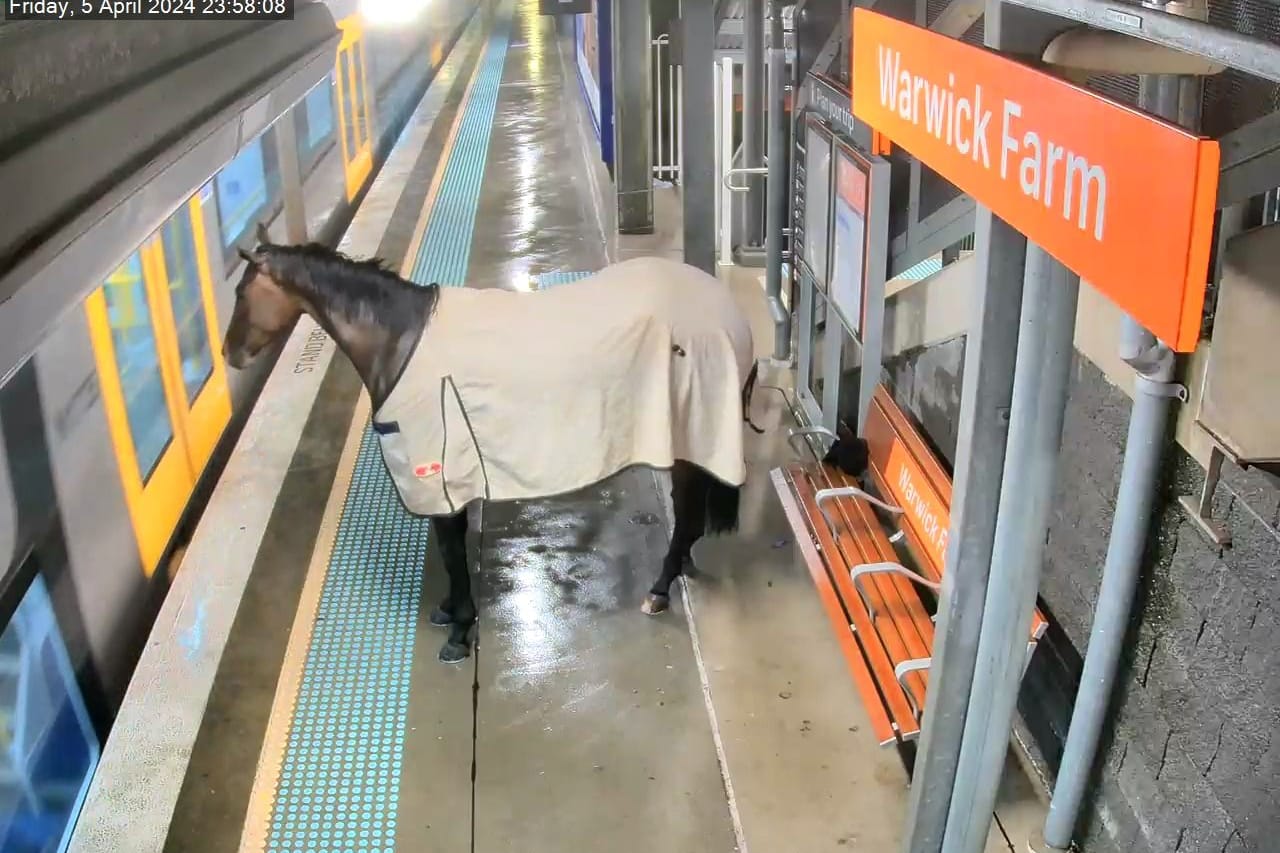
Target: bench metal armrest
{"x":853,"y":492}
{"x":894,"y":568}
{"x":800,"y":432}
{"x":821,"y":496}
{"x":901,"y":671}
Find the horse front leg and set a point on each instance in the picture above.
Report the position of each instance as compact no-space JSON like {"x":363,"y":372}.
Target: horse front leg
{"x":689,"y":504}
{"x":458,"y":610}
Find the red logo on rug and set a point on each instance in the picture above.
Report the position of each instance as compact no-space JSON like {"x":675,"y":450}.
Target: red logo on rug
{"x":427,"y":470}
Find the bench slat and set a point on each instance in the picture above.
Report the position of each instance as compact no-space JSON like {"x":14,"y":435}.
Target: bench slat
{"x":883,"y":551}
{"x":881,"y":726}
{"x":898,"y":609}
{"x":868,"y":638}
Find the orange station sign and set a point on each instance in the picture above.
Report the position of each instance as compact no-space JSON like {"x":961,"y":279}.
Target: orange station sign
{"x":1121,"y":198}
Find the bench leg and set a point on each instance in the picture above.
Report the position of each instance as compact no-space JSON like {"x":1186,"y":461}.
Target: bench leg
{"x":689,"y":487}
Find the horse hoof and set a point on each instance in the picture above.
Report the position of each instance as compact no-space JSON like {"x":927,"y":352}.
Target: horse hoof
{"x":655,"y":604}
{"x":440,"y":618}
{"x":454,"y":652}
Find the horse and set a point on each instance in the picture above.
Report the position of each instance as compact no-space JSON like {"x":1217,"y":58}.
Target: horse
{"x":494,"y":395}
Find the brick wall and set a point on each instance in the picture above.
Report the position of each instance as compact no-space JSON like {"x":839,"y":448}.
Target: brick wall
{"x":1191,"y":759}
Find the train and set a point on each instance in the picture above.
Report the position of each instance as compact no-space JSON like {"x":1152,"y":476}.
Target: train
{"x":136,"y":159}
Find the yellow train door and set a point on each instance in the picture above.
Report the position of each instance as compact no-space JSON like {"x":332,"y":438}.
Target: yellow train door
{"x":154,"y":332}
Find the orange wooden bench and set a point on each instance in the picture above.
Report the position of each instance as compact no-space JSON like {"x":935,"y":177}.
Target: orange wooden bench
{"x":876,"y":552}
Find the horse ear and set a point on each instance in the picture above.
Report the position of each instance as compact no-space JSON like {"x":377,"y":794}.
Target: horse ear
{"x":249,"y":259}
{"x":264,"y":238}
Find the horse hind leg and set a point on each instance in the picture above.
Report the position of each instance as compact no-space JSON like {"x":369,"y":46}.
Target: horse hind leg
{"x":458,"y":610}
{"x":689,"y":500}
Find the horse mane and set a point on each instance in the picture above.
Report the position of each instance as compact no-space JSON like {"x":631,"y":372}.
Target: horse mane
{"x":354,"y":288}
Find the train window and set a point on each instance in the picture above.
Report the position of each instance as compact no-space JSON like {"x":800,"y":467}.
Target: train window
{"x":360,"y":90}
{"x":190,"y":320}
{"x":349,"y":99}
{"x":134,"y":341}
{"x":247,"y":188}
{"x":315,"y":114}
{"x":50,"y":750}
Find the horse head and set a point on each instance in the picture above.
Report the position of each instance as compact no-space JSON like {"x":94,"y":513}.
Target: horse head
{"x":266,"y":306}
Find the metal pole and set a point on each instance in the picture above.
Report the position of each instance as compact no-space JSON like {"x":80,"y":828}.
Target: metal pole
{"x":1154,"y":391}
{"x":295,"y":209}
{"x":777,"y":184}
{"x":695,"y":147}
{"x":725,"y":122}
{"x":753,"y":97}
{"x":632,"y":116}
{"x":986,"y":395}
{"x":1038,"y":407}
{"x":660,"y":168}
{"x":679,"y":123}
{"x":673,"y":123}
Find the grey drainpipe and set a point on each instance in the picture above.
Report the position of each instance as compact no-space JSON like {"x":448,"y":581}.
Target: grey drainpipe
{"x":1153,"y":363}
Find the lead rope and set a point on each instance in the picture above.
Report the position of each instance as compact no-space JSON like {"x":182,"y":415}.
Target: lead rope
{"x":747,"y":390}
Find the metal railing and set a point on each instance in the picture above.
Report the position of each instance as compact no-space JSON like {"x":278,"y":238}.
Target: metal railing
{"x":668,"y":115}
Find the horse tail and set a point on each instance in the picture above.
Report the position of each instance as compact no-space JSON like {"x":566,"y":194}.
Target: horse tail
{"x":747,"y":390}
{"x":722,"y":506}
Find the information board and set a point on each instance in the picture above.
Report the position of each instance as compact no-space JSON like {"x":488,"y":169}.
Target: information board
{"x":849,"y":245}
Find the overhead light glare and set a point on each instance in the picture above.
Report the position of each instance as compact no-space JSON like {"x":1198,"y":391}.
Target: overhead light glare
{"x":392,"y":12}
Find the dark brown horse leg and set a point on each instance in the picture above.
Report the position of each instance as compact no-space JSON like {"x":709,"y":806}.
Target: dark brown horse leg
{"x":458,"y":610}
{"x":689,"y":502}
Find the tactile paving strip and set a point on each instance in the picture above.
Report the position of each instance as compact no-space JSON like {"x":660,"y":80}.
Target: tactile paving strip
{"x":551,"y":279}
{"x":340,"y":779}
{"x":445,"y":250}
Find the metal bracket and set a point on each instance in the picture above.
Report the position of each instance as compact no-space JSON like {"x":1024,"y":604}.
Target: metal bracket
{"x":891,"y":568}
{"x":800,"y":432}
{"x":821,"y":496}
{"x":853,"y":492}
{"x":742,"y":170}
{"x":1200,"y":510}
{"x":1152,"y":388}
{"x":901,"y":671}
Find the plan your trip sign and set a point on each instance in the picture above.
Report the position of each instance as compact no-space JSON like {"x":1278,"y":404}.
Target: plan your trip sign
{"x":1121,"y":198}
{"x":830,"y":100}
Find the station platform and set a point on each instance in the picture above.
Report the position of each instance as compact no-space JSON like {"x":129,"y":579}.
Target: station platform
{"x":291,"y":698}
